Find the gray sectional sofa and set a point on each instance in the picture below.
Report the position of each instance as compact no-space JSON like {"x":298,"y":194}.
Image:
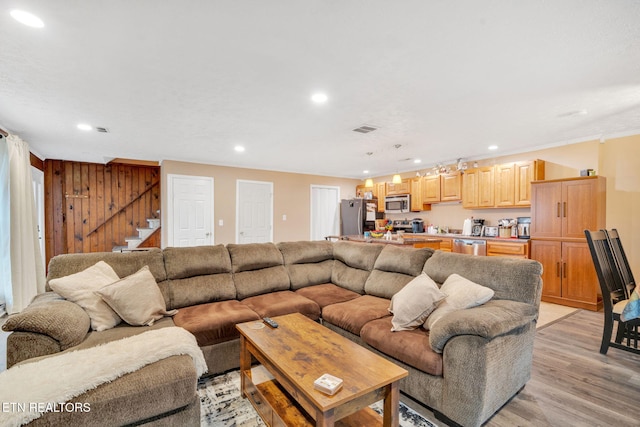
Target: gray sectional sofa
{"x":468,"y":366}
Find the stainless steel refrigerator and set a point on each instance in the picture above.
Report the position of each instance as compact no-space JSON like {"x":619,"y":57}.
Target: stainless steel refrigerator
{"x":358,"y":215}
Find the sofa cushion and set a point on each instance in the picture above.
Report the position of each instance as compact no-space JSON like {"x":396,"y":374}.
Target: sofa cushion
{"x":410,"y":347}
{"x":307,"y":263}
{"x":354,"y":314}
{"x":199,"y":290}
{"x":254,"y":256}
{"x":80,"y":288}
{"x":251,"y":283}
{"x":414,"y":302}
{"x":283,"y":302}
{"x":214,"y":322}
{"x":258,"y":268}
{"x":50,"y":314}
{"x":400,"y":259}
{"x":123,"y":264}
{"x":136,"y":298}
{"x":327,"y":294}
{"x":353,"y":264}
{"x":181,"y":263}
{"x":305,"y":252}
{"x":394,"y":268}
{"x":511,"y":278}
{"x":461,"y":293}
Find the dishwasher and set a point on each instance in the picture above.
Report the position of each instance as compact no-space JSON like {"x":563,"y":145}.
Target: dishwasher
{"x":470,"y":246}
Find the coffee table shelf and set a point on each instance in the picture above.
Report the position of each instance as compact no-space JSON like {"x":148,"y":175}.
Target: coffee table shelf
{"x":297,"y":353}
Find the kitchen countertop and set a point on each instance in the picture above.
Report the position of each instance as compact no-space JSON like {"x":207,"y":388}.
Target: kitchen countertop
{"x":407,"y":240}
{"x":460,"y":236}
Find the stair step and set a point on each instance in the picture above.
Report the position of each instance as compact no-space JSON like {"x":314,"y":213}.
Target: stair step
{"x":153,"y":222}
{"x":143,"y":233}
{"x":120,"y":248}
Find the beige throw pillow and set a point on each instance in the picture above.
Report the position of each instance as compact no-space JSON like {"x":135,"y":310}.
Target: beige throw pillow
{"x":413,"y":303}
{"x":80,"y":288}
{"x":136,"y":298}
{"x":461,"y":293}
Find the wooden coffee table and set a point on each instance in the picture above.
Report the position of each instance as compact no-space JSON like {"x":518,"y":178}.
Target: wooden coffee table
{"x":298,"y":352}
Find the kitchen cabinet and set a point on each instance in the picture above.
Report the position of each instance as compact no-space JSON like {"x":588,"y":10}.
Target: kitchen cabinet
{"x":442,"y":188}
{"x":431,"y":189}
{"x":506,"y":185}
{"x":478,"y":188}
{"x":568,"y":277}
{"x":397,"y":189}
{"x":416,"y":194}
{"x":446,"y":244}
{"x":380,"y":191}
{"x":360,"y":190}
{"x":560,"y":212}
{"x":514,"y":249}
{"x":451,"y":187}
{"x":565,"y":208}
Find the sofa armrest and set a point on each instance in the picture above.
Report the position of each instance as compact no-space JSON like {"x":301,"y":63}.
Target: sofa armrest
{"x":493,"y":319}
{"x":51,"y":315}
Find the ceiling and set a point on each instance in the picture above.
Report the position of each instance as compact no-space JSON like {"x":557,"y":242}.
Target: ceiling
{"x":188,"y":81}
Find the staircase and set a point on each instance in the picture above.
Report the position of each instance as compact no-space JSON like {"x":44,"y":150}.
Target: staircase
{"x":134,"y":242}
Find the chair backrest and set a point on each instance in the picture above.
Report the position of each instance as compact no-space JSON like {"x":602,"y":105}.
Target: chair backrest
{"x":621,"y":260}
{"x":609,"y":277}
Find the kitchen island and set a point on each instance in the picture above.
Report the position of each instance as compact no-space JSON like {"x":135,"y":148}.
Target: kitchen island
{"x":415,"y":242}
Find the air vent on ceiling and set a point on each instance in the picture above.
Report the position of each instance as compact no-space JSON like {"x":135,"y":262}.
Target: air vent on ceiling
{"x":365,"y":129}
{"x":103,"y":130}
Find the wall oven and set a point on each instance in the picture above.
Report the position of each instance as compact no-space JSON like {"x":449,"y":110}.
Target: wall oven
{"x":397,"y":204}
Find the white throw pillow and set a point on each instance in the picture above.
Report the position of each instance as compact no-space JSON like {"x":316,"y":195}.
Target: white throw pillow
{"x":136,"y":298}
{"x":80,"y":288}
{"x":413,"y":303}
{"x":461,"y":293}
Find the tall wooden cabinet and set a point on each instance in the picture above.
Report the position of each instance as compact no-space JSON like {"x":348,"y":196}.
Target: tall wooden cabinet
{"x":560,"y":212}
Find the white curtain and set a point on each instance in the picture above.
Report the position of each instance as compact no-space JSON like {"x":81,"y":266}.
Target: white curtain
{"x":21,"y":266}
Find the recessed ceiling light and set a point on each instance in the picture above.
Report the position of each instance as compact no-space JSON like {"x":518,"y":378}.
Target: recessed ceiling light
{"x":417,"y":161}
{"x":492,"y":147}
{"x":319,"y":98}
{"x":239,"y":148}
{"x":84,"y":126}
{"x":27,"y":18}
{"x":365,"y":171}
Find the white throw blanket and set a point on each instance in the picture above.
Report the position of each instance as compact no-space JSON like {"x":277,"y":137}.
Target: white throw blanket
{"x":29,"y":390}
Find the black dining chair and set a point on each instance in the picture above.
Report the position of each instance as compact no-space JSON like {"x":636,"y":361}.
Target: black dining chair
{"x":615,"y":294}
{"x":621,"y":260}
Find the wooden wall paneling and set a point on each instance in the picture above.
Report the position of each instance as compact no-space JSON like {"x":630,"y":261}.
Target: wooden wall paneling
{"x":55,"y":209}
{"x":122,"y":200}
{"x":128,"y":196}
{"x":83,"y":227}
{"x":107,"y":229}
{"x":91,"y":220}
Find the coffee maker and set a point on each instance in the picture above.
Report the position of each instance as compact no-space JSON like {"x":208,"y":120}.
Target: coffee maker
{"x":476,"y":227}
{"x":524,"y":226}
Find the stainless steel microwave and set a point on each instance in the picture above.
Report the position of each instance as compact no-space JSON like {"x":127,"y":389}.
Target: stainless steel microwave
{"x":397,"y":204}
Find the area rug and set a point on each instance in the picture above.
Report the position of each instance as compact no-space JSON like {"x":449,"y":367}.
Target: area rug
{"x":222,"y":405}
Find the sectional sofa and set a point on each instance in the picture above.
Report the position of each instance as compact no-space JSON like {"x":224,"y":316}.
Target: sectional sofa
{"x":465,"y":368}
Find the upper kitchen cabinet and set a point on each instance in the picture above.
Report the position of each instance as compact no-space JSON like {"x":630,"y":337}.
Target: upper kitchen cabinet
{"x":380,"y":191}
{"x":565,"y":208}
{"x":478,"y":186}
{"x":442,"y":188}
{"x":396,"y":189}
{"x":451,"y":187}
{"x":506,"y":185}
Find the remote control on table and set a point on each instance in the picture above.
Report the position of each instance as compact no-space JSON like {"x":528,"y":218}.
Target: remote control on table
{"x":269,"y":321}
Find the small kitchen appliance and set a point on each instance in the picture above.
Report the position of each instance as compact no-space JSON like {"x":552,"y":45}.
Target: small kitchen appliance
{"x":397,"y":204}
{"x":476,"y":227}
{"x":417,"y":225}
{"x":524,"y":226}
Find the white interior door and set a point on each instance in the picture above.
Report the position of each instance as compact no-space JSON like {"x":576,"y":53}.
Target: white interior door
{"x":190,"y":203}
{"x":325,"y":212}
{"x":37,"y":177}
{"x":254,"y":212}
